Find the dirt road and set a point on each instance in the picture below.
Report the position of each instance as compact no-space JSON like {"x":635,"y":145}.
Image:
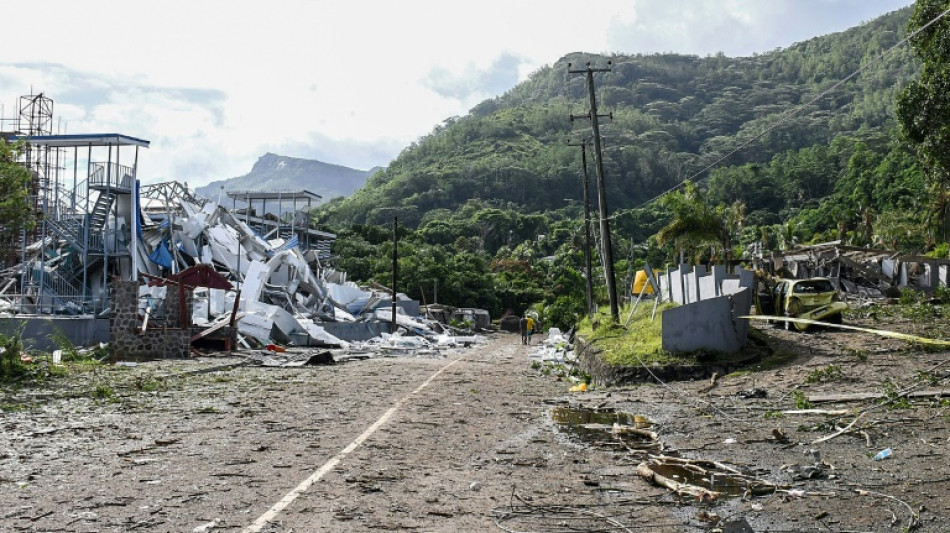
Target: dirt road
{"x":463,"y":443}
{"x":175,"y":450}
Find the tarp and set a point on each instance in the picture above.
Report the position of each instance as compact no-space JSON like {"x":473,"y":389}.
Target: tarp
{"x":161,"y":255}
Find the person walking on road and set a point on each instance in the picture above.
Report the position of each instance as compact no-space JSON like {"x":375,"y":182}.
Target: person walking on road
{"x":526,"y":325}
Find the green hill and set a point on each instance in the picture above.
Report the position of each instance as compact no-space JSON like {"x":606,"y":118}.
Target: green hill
{"x":672,"y":116}
{"x":782,"y":149}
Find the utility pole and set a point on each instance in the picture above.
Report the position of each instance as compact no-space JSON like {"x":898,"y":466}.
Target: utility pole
{"x":395,"y":270}
{"x":587,"y":254}
{"x":601,"y":188}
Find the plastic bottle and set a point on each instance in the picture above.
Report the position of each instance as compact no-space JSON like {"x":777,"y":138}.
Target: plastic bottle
{"x":883,"y":454}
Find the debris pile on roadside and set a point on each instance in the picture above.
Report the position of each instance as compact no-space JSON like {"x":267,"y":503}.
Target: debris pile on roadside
{"x":555,"y":356}
{"x":274,"y":282}
{"x":556,"y":349}
{"x":386,"y":345}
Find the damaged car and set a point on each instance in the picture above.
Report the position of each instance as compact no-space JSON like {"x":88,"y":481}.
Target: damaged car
{"x":811,"y":299}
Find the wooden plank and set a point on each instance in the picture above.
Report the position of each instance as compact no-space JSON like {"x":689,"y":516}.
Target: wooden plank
{"x":218,"y":325}
{"x":865,"y":396}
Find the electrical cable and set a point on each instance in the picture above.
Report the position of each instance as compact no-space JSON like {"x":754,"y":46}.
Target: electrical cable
{"x":686,"y":394}
{"x":787,"y":116}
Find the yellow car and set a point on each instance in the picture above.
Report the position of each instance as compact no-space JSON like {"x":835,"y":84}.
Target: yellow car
{"x":813,"y":299}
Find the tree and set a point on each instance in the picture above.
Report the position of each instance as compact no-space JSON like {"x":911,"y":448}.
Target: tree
{"x":16,"y":213}
{"x":923,"y":107}
{"x":694,"y":222}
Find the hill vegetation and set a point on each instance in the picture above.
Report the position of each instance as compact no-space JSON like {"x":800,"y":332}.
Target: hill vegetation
{"x":490,"y":194}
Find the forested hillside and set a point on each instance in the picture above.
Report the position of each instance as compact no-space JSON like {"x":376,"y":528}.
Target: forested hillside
{"x":820,"y":159}
{"x":672,"y":115}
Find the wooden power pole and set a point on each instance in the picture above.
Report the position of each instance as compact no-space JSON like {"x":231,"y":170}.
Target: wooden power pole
{"x":395,"y":269}
{"x":601,"y":188}
{"x":587,"y":241}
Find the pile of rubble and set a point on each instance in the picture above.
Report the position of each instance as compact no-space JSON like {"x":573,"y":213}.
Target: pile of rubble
{"x":269,"y":288}
{"x":399,"y":344}
{"x":860,"y":272}
{"x":556,"y":349}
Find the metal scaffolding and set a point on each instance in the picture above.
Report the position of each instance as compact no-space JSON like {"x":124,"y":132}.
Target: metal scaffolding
{"x":82,"y":195}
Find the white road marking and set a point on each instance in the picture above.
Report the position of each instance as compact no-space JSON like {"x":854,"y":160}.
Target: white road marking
{"x":272,"y":513}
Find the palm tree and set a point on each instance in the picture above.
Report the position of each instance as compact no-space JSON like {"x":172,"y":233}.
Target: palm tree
{"x":695,"y":224}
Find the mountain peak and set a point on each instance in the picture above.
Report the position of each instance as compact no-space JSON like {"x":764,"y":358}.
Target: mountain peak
{"x":274,"y":171}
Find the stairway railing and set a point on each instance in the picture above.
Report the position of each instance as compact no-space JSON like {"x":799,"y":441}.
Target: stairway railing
{"x":111,"y":175}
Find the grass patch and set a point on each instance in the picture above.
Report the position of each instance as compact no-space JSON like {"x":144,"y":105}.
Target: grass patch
{"x":641,"y":340}
{"x":801,"y":401}
{"x":559,"y":370}
{"x":103,"y":392}
{"x":892,"y":396}
{"x":828,"y":374}
{"x":859,"y":353}
{"x":11,"y":366}
{"x":13,"y":407}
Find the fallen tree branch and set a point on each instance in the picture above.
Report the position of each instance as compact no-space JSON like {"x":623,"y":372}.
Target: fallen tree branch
{"x":828,"y":412}
{"x":718,"y":474}
{"x":840,"y":432}
{"x":683,"y":489}
{"x":713,"y":381}
{"x":864,"y":396}
{"x":914,"y":521}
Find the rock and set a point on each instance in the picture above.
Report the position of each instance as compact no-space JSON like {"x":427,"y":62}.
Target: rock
{"x":204,"y":528}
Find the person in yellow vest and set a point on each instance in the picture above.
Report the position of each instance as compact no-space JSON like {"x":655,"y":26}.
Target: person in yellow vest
{"x":529,"y":329}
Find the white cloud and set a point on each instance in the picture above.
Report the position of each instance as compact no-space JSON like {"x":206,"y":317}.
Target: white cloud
{"x":215,"y":84}
{"x":735,"y":27}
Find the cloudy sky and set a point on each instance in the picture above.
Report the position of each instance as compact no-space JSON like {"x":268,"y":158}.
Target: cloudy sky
{"x":215,"y":84}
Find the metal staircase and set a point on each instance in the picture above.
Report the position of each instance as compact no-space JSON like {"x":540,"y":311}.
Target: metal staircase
{"x":50,"y":287}
{"x":68,"y":228}
{"x":100,"y":212}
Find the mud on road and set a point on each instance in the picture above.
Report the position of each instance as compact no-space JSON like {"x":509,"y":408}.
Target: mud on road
{"x":212,"y":445}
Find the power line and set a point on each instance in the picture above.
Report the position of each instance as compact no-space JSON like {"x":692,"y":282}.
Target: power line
{"x":787,"y":116}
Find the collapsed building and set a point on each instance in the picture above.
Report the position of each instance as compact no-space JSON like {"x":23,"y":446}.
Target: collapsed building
{"x":860,"y":272}
{"x":195,"y":269}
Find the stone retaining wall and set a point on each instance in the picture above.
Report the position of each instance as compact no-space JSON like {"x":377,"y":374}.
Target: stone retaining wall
{"x":126,"y":340}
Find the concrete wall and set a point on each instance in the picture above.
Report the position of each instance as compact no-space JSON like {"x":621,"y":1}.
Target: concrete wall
{"x":710,"y":304}
{"x":710,"y":325}
{"x":688,"y":287}
{"x":664,"y":280}
{"x":37,"y":330}
{"x":677,"y":289}
{"x":709,"y":287}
